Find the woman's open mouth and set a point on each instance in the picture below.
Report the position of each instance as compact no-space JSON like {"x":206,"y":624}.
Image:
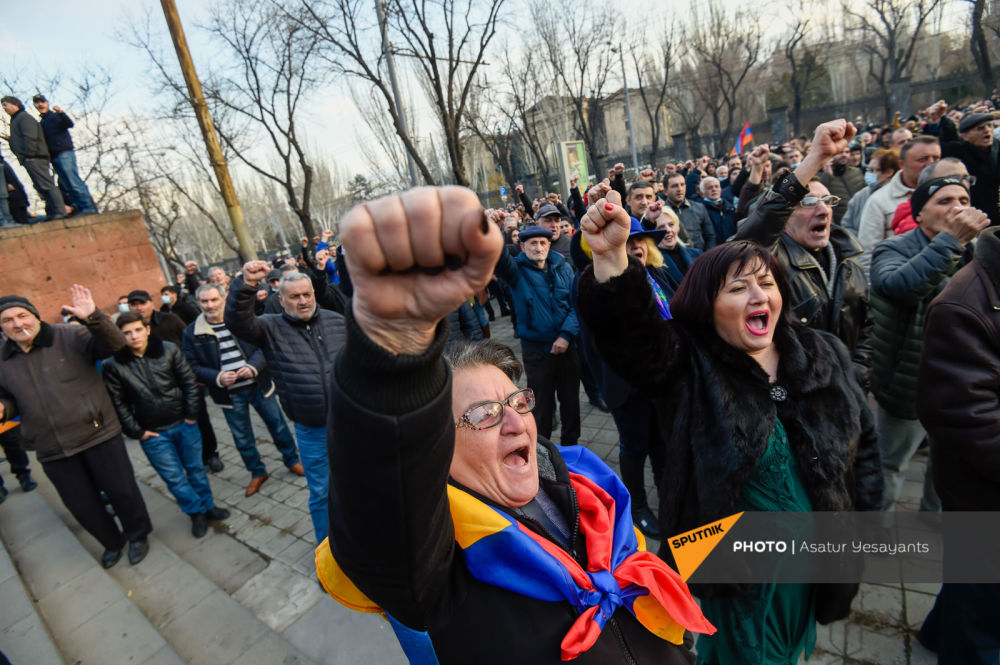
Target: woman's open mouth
{"x":758,"y":323}
{"x":517,"y":458}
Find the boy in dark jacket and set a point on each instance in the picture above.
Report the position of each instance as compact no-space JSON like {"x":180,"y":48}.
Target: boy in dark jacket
{"x":155,"y":394}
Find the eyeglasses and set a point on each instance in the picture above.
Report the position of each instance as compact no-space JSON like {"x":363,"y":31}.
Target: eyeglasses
{"x":813,"y":201}
{"x":489,"y":414}
{"x":969,"y":180}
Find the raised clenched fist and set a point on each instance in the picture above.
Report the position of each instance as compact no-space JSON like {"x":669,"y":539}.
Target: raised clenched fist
{"x":415,"y":257}
{"x":606,"y":227}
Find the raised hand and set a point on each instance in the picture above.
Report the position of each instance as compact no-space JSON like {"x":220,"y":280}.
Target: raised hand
{"x":519,"y":189}
{"x":964,"y":224}
{"x":653,"y":210}
{"x":83,"y":302}
{"x":322,"y":256}
{"x":414,"y":258}
{"x":254,"y":272}
{"x":327,"y":234}
{"x":606,"y":227}
{"x":829,"y":139}
{"x":619,"y":168}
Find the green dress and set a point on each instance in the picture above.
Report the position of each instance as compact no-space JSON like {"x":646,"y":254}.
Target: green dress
{"x":773,"y":623}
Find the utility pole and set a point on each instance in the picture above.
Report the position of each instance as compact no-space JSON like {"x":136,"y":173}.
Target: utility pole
{"x":243,"y":238}
{"x":628,"y":109}
{"x":391,"y":64}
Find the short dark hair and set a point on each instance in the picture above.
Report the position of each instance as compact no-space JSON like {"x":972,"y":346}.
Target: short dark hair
{"x":914,"y":141}
{"x":639,"y":184}
{"x":672,"y":176}
{"x":694,"y":301}
{"x":126,"y":318}
{"x":172,"y":288}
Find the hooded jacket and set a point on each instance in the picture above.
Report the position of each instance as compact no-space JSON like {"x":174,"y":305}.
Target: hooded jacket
{"x":155,"y":391}
{"x":56,"y":389}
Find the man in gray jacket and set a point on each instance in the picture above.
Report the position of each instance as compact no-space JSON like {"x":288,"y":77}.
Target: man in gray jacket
{"x":48,"y":376}
{"x":27,"y":142}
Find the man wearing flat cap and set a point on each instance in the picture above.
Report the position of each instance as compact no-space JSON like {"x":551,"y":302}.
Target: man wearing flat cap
{"x":972,"y":142}
{"x":541,"y":283}
{"x":48,"y":377}
{"x":548,"y":217}
{"x":907,"y":272}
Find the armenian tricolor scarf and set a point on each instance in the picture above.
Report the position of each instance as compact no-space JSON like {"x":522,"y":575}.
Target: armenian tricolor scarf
{"x":499,"y":550}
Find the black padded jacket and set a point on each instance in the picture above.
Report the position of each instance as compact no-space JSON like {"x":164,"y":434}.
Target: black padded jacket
{"x":299,"y":353}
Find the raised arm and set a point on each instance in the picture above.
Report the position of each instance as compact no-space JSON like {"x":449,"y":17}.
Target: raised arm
{"x":239,"y":316}
{"x":414,"y":258}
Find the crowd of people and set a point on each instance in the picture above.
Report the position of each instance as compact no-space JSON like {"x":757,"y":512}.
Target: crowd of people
{"x":737,"y":317}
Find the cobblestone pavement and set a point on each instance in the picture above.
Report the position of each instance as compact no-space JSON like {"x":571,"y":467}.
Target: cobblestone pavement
{"x":275,"y":523}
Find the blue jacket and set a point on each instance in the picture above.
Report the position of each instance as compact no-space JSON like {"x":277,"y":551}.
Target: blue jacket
{"x":201,"y":348}
{"x":542,"y":298}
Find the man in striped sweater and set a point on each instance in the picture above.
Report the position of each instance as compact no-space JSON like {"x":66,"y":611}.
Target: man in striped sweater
{"x":235,"y":374}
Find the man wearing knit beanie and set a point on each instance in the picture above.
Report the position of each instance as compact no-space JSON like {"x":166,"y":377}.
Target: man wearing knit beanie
{"x":48,"y":377}
{"x":907,"y":272}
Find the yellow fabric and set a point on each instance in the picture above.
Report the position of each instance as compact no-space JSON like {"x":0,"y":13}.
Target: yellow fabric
{"x":657,"y":620}
{"x":586,"y":247}
{"x":339,"y":585}
{"x":472,"y":518}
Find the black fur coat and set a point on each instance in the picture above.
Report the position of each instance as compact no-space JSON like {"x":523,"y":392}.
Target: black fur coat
{"x":717,"y":413}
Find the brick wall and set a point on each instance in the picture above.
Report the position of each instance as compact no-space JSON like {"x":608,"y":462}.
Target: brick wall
{"x":110,"y":254}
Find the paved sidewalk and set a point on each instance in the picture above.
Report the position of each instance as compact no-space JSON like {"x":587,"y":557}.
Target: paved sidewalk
{"x":262,"y":556}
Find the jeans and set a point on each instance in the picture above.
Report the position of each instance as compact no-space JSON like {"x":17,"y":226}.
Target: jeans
{"x":312,"y":446}
{"x":64,"y":164}
{"x":898,"y":439}
{"x":238,"y":418}
{"x":176,"y":456}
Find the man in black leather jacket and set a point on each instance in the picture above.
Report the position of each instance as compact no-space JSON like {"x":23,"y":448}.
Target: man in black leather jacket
{"x":155,"y":394}
{"x":820,"y":259}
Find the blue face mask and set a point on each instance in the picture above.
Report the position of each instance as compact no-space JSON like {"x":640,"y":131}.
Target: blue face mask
{"x":122,"y":307}
{"x":871,"y":179}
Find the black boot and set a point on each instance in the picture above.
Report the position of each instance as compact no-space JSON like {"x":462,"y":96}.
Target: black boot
{"x":635,"y":483}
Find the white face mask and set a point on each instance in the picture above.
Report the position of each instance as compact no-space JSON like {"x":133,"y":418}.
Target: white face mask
{"x":122,"y":307}
{"x":165,"y":298}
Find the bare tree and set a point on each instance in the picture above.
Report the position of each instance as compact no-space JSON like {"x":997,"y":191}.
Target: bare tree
{"x":523,"y":92}
{"x":725,"y":48}
{"x":444,"y":40}
{"x":494,"y":128}
{"x":888,"y":33}
{"x":979,"y":47}
{"x":264,"y":67}
{"x":652,"y":70}
{"x":805,"y":58}
{"x":578,"y":49}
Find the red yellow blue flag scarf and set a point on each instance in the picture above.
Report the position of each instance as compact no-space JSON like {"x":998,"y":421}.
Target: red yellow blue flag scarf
{"x":499,"y":550}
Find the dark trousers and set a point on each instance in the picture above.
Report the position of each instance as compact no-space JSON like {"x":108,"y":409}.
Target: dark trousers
{"x":81,"y":478}
{"x":209,"y":444}
{"x":638,"y":436}
{"x":550,"y":376}
{"x":41,"y":177}
{"x":13,"y":450}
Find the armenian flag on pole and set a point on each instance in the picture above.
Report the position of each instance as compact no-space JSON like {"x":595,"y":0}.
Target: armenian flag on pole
{"x":743,"y":140}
